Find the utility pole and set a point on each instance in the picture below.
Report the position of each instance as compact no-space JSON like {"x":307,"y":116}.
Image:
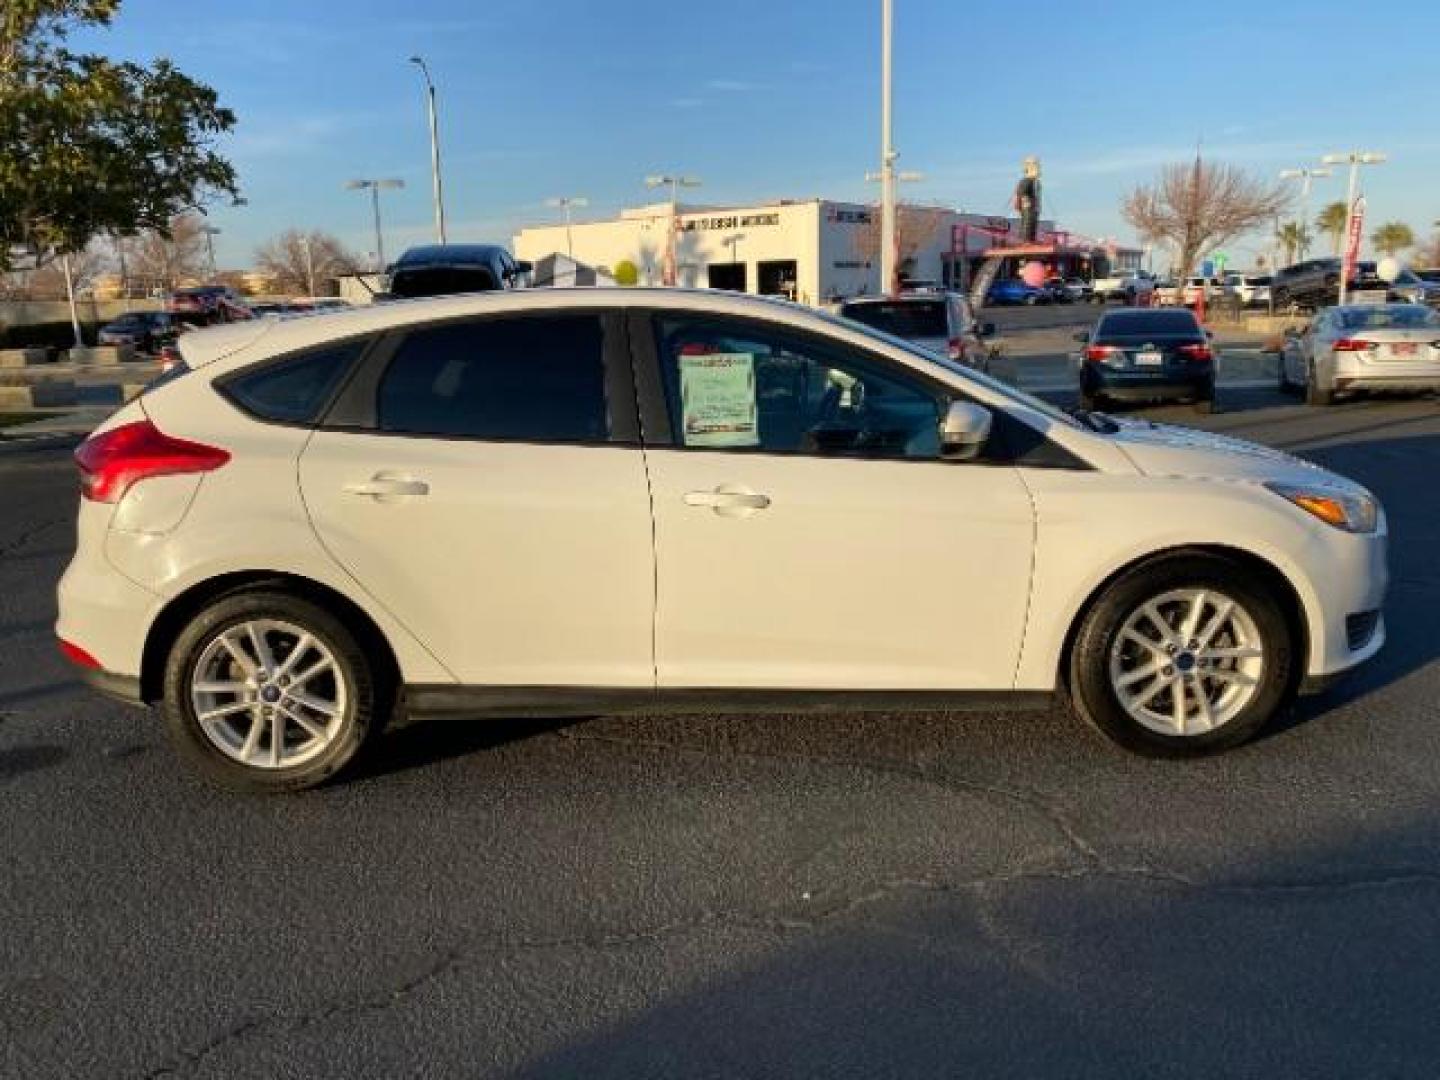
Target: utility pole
{"x":210,"y":232}
{"x":1355,"y":158}
{"x":1305,"y":176}
{"x":888,"y":253}
{"x":434,"y":150}
{"x":566,"y":202}
{"x":674,"y":181}
{"x":309,"y":265}
{"x":374,"y":186}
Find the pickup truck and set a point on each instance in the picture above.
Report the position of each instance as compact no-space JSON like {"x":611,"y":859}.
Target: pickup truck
{"x":1129,"y":286}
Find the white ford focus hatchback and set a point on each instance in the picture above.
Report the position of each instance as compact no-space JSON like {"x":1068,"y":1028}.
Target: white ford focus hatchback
{"x":591,"y":501}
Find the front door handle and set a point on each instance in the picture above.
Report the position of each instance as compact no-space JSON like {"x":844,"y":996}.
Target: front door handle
{"x":729,"y":500}
{"x":383,"y":486}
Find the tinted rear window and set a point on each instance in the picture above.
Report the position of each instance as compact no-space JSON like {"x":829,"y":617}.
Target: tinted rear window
{"x":295,"y":389}
{"x":908,"y":319}
{"x":1131,"y":323}
{"x":534,"y":379}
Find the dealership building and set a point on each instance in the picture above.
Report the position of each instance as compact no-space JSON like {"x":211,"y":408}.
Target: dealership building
{"x":811,"y":250}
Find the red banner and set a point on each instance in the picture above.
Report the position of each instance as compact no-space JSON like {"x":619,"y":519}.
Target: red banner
{"x":1352,"y":242}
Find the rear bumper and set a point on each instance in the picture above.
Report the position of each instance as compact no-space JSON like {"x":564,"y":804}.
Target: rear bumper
{"x":122,"y":688}
{"x":1127,"y":384}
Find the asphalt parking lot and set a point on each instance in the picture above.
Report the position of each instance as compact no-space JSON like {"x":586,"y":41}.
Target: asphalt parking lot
{"x":893,"y":895}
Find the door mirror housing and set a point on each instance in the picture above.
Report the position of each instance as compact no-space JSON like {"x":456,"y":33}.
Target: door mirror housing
{"x":964,"y":430}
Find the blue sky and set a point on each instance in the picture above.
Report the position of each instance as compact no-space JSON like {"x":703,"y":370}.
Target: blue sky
{"x":780,"y":99}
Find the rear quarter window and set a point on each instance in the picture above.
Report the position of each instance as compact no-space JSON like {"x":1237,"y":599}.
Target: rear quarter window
{"x":293,"y":389}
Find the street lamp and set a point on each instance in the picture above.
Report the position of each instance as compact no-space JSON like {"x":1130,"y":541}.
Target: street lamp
{"x":419,"y":62}
{"x":210,"y":232}
{"x":1304,"y":175}
{"x":305,"y":242}
{"x":675,"y":183}
{"x":374,"y":186}
{"x":1355,"y":158}
{"x":567,"y":202}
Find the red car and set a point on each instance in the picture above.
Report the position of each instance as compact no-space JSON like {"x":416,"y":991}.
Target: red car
{"x":208,"y":304}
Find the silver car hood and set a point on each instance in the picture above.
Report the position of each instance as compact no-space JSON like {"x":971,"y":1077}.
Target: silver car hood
{"x":1171,"y":450}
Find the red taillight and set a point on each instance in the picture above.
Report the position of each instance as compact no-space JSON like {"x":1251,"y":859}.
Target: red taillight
{"x":1100,"y":352}
{"x":78,"y":656}
{"x":956,"y":348}
{"x":1352,"y":345}
{"x":113,"y":460}
{"x":1197,"y":352}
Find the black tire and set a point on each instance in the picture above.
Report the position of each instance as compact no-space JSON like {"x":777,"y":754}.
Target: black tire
{"x":370,"y":697}
{"x":1087,"y":684}
{"x":1089,"y":402}
{"x":1316,"y":394}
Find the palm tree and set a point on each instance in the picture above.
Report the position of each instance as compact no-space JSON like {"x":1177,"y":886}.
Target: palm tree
{"x":1393,"y":236}
{"x":1295,"y":239}
{"x":1332,"y":221}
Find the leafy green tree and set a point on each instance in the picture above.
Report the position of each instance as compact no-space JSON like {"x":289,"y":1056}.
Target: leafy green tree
{"x":1295,"y":239}
{"x":626,"y":273}
{"x":91,"y":146}
{"x":1393,"y":237}
{"x":1332,"y":222}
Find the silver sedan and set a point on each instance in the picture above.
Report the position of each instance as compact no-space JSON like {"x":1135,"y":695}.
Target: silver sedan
{"x":1362,"y":347}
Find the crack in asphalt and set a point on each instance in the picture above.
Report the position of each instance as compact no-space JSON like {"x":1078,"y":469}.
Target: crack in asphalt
{"x":774,"y":923}
{"x":26,"y":535}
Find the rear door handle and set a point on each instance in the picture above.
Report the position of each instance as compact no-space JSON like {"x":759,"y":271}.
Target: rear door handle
{"x":729,"y":500}
{"x":383,"y":486}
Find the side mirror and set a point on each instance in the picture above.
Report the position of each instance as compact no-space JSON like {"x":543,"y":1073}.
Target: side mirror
{"x":964,"y":431}
{"x":987,"y":329}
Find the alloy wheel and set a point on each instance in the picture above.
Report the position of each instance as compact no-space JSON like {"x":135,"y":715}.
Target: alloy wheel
{"x":268,"y":694}
{"x":1187,"y":662}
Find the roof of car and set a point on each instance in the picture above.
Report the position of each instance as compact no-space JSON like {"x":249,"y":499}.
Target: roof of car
{"x":277,"y":335}
{"x":928,"y":295}
{"x":448,"y":255}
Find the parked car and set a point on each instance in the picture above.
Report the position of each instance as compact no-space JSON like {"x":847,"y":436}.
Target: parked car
{"x":1165,"y":293}
{"x":537,"y":502}
{"x":1252,"y":290}
{"x":1015,"y":291}
{"x":1147,"y":354}
{"x":206,"y":305}
{"x":1130,"y":287}
{"x":1362,"y":347}
{"x":942,"y":322}
{"x":1079,"y":289}
{"x":1429,"y":274}
{"x":1410,"y":286}
{"x":1315,"y":283}
{"x":1212,"y":288}
{"x":444,"y":269}
{"x":145,"y":331}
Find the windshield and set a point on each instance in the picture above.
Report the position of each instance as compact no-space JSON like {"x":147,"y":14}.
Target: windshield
{"x":1389,"y":317}
{"x":1005,"y":390}
{"x":904,"y":318}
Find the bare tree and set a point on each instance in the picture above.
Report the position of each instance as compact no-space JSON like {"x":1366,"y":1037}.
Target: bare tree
{"x":169,"y":261}
{"x":47,"y":282}
{"x":1200,"y":206}
{"x":916,"y":227}
{"x":305,"y":263}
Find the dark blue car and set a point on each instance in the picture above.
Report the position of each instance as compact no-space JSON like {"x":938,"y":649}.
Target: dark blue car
{"x":1015,"y":291}
{"x":1147,"y":354}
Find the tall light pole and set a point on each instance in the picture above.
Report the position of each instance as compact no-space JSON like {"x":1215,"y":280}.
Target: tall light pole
{"x":309,"y":265}
{"x":419,"y":62}
{"x":1355,"y":158}
{"x":567,"y":203}
{"x":374,"y":186}
{"x":1305,"y":176}
{"x":675,"y":182}
{"x":210,"y":232}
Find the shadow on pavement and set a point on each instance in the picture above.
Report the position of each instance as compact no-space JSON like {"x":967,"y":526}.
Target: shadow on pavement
{"x":23,"y":759}
{"x":422,"y":743}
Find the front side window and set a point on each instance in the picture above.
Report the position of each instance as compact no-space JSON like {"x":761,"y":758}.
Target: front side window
{"x":535,"y":379}
{"x":736,"y":386}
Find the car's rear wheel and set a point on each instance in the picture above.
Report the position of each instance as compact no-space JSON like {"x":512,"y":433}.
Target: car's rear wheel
{"x":1315,"y":394}
{"x":1181,"y":657}
{"x":265,"y":691}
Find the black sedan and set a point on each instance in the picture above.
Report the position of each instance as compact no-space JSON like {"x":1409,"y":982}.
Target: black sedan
{"x":146,"y":331}
{"x":1147,"y":354}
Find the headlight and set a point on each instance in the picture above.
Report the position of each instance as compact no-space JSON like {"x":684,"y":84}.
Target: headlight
{"x":1341,"y":508}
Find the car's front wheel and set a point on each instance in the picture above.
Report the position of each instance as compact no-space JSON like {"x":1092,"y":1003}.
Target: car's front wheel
{"x":1184,"y":656}
{"x":265,"y":691}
